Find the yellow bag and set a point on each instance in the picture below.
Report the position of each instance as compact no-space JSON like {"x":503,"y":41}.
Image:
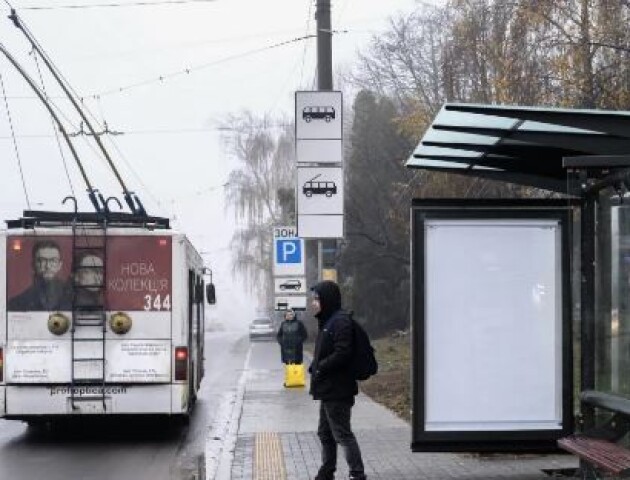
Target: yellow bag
{"x":294,"y":375}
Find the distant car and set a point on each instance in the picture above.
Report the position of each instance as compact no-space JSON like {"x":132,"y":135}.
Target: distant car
{"x":291,"y":285}
{"x":261,"y":328}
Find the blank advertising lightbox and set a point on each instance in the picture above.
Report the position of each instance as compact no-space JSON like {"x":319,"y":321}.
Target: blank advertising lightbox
{"x":492,"y":335}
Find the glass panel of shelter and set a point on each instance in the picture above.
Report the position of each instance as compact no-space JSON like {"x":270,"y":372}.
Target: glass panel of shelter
{"x":610,"y":349}
{"x":620,"y":299}
{"x":612,"y":338}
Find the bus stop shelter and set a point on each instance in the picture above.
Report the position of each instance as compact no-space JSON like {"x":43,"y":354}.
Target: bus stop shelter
{"x":511,"y":297}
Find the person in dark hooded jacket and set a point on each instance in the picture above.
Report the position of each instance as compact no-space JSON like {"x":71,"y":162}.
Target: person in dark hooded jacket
{"x":333,"y":383}
{"x":291,"y":336}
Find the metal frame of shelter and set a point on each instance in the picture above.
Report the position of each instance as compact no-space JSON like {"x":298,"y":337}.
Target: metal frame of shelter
{"x":577,"y":153}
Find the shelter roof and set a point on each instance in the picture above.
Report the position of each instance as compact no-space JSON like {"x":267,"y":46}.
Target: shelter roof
{"x":531,"y":146}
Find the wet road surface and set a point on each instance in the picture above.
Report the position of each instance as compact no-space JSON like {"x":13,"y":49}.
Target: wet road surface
{"x":138,"y":450}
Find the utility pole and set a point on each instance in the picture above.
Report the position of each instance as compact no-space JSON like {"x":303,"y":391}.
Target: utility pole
{"x":324,"y":81}
{"x":324,"y":46}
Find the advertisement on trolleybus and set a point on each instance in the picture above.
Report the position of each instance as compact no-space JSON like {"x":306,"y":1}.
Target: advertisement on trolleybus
{"x":99,"y":323}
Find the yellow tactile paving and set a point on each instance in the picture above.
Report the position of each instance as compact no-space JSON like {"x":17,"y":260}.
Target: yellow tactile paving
{"x":268,"y":457}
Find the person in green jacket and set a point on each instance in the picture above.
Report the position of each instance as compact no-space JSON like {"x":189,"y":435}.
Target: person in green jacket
{"x":291,"y":336}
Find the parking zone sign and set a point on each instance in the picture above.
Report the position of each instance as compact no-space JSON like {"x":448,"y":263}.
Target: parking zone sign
{"x":288,"y":252}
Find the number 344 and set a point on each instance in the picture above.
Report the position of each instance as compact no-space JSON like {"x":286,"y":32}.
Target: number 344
{"x":157,"y":302}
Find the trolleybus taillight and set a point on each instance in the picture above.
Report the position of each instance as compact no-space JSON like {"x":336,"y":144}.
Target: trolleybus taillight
{"x":1,"y":365}
{"x":181,"y":363}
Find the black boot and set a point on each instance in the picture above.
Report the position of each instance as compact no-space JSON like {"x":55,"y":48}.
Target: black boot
{"x":324,"y":476}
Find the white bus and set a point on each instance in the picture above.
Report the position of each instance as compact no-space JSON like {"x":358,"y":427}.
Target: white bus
{"x":99,"y":315}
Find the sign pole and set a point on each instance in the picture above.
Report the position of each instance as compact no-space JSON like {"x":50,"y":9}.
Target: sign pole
{"x":320,"y":260}
{"x":324,"y":74}
{"x":324,"y":46}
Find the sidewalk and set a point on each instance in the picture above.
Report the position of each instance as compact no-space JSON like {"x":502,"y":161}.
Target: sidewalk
{"x":277,"y":440}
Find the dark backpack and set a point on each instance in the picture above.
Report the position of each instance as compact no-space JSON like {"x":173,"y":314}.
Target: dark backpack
{"x":364,"y":363}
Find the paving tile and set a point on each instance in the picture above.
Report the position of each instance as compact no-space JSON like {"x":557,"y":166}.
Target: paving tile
{"x":384,"y":440}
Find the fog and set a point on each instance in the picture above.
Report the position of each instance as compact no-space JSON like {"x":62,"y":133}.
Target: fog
{"x":162,"y":77}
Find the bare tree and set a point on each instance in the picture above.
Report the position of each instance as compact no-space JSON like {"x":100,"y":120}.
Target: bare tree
{"x":257,"y":192}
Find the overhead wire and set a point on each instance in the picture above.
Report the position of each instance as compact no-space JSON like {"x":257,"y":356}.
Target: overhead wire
{"x":134,"y":173}
{"x":67,"y":88}
{"x":173,"y":211}
{"x":283,"y":88}
{"x":119,"y":151}
{"x":70,"y":122}
{"x":63,"y":157}
{"x":79,"y":6}
{"x":169,"y":46}
{"x":98,"y":153}
{"x":90,"y":113}
{"x":308,"y":27}
{"x":15,"y":145}
{"x":161,"y":78}
{"x":297,"y":63}
{"x":32,"y":97}
{"x":128,"y":164}
{"x":299,"y":60}
{"x":98,"y":96}
{"x":185,"y":71}
{"x":158,"y":131}
{"x":68,"y":85}
{"x":199,"y":193}
{"x":196,"y":68}
{"x":27,"y":78}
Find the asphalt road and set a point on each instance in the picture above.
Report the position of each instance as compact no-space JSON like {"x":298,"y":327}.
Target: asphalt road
{"x":138,"y":450}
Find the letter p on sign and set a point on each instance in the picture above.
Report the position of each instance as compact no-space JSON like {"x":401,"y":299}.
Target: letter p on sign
{"x":288,"y":251}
